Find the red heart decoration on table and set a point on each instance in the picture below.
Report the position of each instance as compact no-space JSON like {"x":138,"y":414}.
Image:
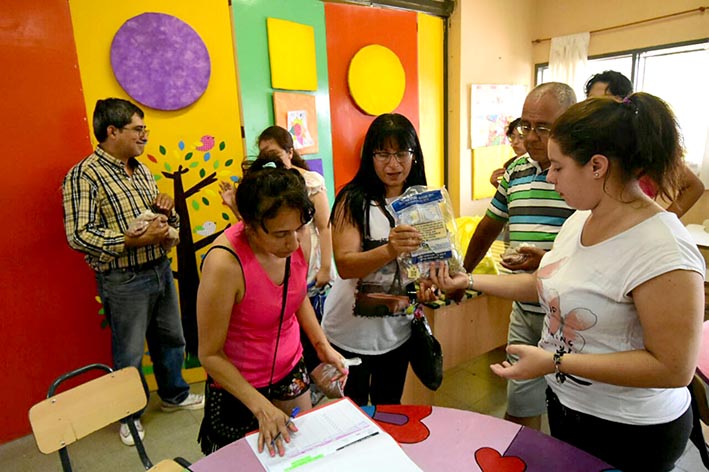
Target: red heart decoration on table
{"x":489,"y":460}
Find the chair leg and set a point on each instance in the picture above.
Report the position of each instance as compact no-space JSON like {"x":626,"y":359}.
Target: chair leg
{"x":66,"y":463}
{"x":183,"y":462}
{"x":139,"y":445}
{"x":696,"y":435}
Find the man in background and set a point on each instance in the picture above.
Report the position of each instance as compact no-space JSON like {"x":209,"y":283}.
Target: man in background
{"x":104,"y":195}
{"x":535,"y":212}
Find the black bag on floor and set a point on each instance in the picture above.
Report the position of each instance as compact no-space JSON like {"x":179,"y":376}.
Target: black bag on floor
{"x":426,"y":355}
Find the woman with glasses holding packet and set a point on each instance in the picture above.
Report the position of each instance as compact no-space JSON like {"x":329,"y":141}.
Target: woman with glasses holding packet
{"x":365,"y":312}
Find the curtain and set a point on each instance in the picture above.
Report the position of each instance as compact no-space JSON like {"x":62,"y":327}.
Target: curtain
{"x":568,"y":56}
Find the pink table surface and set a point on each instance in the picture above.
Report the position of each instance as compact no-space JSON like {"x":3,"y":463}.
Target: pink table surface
{"x":444,"y":439}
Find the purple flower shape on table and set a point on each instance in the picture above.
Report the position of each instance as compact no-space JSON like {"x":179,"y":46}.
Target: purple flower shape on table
{"x":160,"y":61}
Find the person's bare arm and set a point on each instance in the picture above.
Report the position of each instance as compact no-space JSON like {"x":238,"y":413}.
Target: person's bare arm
{"x":321,"y":221}
{"x":671,"y":311}
{"x":691,"y":190}
{"x":488,"y":229}
{"x":353,"y":263}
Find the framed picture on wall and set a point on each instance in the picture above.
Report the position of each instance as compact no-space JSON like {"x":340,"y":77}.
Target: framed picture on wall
{"x":296,"y":113}
{"x":492,"y":107}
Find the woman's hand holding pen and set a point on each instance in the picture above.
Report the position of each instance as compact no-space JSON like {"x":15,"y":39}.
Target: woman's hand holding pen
{"x":274,"y":427}
{"x":403,"y":239}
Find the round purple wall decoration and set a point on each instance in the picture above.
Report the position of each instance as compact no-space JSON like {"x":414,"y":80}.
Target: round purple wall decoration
{"x":160,"y":61}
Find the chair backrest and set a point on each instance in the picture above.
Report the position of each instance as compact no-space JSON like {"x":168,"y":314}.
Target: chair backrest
{"x":168,"y":465}
{"x":65,"y":418}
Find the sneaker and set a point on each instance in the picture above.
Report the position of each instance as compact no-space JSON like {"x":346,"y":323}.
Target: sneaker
{"x":126,"y":437}
{"x":194,"y":401}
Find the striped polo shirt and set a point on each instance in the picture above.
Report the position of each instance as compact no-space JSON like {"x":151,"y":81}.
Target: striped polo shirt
{"x":535,"y":211}
{"x":100,"y":202}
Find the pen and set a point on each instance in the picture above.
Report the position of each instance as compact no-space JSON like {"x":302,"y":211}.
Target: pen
{"x":294,"y":412}
{"x":357,"y":440}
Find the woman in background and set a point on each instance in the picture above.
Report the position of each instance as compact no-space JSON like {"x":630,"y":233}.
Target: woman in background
{"x":517,"y":142}
{"x":365,"y":312}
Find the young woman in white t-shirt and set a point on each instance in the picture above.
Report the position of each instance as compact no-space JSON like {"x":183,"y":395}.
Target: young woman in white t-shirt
{"x":622,"y":289}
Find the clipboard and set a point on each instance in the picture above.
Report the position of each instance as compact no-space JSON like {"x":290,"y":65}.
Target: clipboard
{"x":336,"y":436}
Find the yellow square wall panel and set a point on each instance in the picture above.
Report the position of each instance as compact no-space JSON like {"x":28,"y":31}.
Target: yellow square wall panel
{"x":291,"y":52}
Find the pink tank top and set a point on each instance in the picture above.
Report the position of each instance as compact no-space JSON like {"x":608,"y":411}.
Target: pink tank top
{"x":251,"y":337}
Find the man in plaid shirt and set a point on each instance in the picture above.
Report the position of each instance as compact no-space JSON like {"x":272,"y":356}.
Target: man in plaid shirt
{"x":103,"y":195}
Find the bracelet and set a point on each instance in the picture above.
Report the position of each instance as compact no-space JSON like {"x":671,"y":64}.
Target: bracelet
{"x":470,"y":281}
{"x":560,"y":376}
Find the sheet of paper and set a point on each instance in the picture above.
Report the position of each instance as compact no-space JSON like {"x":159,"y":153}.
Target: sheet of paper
{"x":338,"y":436}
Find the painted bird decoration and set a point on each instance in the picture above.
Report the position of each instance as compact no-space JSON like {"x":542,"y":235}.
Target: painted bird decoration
{"x":206,"y":143}
{"x":207,"y":228}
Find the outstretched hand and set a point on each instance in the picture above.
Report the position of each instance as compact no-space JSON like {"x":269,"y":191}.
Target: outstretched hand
{"x":530,"y":262}
{"x":533,"y":362}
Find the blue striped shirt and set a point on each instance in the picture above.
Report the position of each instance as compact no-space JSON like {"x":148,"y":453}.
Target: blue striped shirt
{"x":535,"y":210}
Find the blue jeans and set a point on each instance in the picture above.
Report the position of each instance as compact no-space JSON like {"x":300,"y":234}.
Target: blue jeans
{"x":143,"y":305}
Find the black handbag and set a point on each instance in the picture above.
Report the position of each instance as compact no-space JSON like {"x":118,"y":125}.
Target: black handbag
{"x":426,"y":354}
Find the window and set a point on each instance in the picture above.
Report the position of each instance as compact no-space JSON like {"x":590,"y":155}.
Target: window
{"x":675,"y":73}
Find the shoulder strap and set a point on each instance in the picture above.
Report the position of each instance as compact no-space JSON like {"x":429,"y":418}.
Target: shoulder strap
{"x":286,"y":276}
{"x":219,"y":246}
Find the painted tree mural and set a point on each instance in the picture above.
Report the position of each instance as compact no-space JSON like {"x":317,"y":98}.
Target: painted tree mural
{"x":193,"y":171}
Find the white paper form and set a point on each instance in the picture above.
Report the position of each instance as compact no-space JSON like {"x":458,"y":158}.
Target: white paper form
{"x":337,"y":433}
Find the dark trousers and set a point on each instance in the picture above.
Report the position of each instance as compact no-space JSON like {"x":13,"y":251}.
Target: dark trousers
{"x":628,"y":447}
{"x":379,"y":379}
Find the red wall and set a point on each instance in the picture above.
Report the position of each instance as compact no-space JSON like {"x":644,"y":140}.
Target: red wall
{"x":395,"y":30}
{"x":48,"y":316}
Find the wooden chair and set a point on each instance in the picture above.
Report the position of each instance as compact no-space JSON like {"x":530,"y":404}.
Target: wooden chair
{"x":63,"y":419}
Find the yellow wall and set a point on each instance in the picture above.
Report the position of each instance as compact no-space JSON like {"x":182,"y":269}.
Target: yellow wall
{"x":430,"y":69}
{"x":489,"y":43}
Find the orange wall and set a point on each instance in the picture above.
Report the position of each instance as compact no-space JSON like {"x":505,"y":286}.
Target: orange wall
{"x":345,"y":36}
{"x":49,"y":321}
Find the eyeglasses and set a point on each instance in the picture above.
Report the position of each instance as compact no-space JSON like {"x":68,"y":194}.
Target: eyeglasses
{"x":141,"y":130}
{"x":400,"y":156}
{"x":541,"y":130}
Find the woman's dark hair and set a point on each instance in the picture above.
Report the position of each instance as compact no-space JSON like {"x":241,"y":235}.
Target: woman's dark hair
{"x":113,"y":112}
{"x":283,"y":138}
{"x":618,"y":84}
{"x":640,"y":134}
{"x":511,"y":127}
{"x":267,"y":187}
{"x":386,"y":130}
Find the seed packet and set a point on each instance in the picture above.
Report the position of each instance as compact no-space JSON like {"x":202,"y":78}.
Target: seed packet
{"x":431,"y":213}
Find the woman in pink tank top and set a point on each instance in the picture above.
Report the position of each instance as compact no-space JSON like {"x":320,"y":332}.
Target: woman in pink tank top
{"x":250,"y":307}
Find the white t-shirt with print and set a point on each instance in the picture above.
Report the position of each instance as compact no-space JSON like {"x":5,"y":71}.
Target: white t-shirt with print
{"x":585,"y":291}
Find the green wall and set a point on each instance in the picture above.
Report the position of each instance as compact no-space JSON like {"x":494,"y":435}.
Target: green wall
{"x":256,"y":93}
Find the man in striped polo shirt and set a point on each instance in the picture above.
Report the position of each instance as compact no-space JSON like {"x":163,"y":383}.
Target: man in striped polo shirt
{"x":103,"y":194}
{"x":535,"y":212}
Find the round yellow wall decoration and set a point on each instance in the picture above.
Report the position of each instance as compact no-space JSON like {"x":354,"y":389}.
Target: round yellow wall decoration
{"x":376,"y":79}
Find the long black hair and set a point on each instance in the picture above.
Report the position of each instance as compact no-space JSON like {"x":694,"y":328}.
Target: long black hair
{"x":365,"y":186}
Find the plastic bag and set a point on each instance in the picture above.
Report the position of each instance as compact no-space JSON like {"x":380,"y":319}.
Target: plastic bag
{"x":466,"y":228}
{"x":141,"y":223}
{"x":324,"y":374}
{"x":431,"y":213}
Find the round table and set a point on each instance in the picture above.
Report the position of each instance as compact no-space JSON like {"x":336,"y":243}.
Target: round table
{"x":444,"y":439}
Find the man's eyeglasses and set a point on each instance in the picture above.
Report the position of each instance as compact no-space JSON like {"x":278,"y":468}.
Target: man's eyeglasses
{"x":400,"y":156}
{"x":141,"y":130}
{"x":541,"y":130}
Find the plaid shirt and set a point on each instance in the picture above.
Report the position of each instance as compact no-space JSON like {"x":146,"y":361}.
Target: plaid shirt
{"x":100,"y":202}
